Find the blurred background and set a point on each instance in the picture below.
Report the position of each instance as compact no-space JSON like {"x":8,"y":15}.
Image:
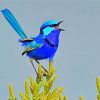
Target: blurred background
{"x":78,"y":57}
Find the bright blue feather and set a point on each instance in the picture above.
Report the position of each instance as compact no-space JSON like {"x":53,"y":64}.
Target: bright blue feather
{"x":47,"y":30}
{"x":46,"y":51}
{"x":14,"y":23}
{"x":44,"y":45}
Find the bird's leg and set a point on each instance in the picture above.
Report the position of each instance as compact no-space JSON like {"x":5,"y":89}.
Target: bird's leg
{"x":41,"y":66}
{"x":31,"y":60}
{"x":50,"y":64}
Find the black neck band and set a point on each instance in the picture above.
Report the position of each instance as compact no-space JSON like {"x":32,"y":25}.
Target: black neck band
{"x":53,"y":45}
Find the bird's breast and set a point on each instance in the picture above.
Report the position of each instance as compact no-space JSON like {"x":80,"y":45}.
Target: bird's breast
{"x":48,"y":49}
{"x":44,"y":52}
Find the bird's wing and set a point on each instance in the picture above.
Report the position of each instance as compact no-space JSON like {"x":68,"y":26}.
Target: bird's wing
{"x":26,"y":40}
{"x":33,"y":46}
{"x":27,"y":50}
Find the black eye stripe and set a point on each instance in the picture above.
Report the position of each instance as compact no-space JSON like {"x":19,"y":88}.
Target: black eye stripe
{"x":53,"y":25}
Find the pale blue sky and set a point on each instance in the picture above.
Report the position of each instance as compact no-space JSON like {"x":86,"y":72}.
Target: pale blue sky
{"x":78,"y":57}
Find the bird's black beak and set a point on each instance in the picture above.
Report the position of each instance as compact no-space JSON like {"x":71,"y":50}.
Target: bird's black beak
{"x":59,"y":24}
{"x":62,"y":29}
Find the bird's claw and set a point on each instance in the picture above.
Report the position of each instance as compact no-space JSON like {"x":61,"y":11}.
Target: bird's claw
{"x":41,"y":71}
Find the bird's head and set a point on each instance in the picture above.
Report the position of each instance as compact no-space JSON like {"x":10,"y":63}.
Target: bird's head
{"x":49,"y":26}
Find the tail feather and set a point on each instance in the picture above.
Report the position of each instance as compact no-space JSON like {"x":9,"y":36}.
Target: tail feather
{"x":14,"y":23}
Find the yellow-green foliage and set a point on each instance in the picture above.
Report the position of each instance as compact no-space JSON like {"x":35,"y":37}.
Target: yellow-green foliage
{"x":81,"y":98}
{"x":11,"y":92}
{"x":98,"y":87}
{"x":40,"y":89}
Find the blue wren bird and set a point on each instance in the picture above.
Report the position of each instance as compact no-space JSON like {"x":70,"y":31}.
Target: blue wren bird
{"x":43,"y":46}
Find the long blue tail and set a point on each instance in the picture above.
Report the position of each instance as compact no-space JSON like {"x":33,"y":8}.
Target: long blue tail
{"x":14,"y":23}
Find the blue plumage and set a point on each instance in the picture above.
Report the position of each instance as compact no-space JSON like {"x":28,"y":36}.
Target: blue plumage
{"x":44,"y":45}
{"x":11,"y":19}
{"x":46,"y":50}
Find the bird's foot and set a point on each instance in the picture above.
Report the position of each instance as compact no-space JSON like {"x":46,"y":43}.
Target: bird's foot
{"x":51,"y":70}
{"x":45,"y":71}
{"x":50,"y":65}
{"x":42,"y":71}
